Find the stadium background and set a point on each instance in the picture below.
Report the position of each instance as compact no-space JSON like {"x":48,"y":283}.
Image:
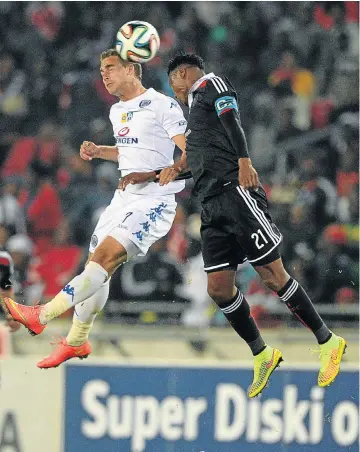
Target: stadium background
{"x":296,"y":68}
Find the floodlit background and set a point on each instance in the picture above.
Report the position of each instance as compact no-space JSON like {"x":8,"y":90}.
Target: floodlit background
{"x":296,"y":68}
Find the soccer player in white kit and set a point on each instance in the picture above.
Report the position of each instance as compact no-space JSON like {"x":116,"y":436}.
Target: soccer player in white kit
{"x":146,"y":125}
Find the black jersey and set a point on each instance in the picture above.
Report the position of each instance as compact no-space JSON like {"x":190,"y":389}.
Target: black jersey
{"x":210,"y":155}
{"x":6,"y":270}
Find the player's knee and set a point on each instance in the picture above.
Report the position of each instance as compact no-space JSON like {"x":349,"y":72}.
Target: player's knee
{"x":108,"y":259}
{"x":273,"y":283}
{"x":218,"y":293}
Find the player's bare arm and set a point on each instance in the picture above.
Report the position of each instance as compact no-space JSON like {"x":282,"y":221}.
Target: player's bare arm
{"x":171,"y":173}
{"x":89,"y":151}
{"x":137,"y":178}
{"x":167,"y":174}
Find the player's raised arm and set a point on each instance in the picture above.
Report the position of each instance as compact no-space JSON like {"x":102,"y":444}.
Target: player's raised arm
{"x":89,"y":151}
{"x":226,"y":107}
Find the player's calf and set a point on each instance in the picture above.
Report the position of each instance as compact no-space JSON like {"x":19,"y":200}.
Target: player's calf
{"x":237,"y":311}
{"x":332,"y":347}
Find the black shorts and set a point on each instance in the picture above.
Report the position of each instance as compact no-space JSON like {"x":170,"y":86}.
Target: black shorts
{"x":236,"y":226}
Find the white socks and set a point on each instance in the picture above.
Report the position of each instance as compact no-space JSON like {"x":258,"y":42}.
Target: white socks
{"x":88,"y":309}
{"x":85,"y":314}
{"x":79,"y":289}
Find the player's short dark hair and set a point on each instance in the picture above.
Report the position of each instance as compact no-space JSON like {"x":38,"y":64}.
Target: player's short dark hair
{"x":185,"y":58}
{"x":113,"y":52}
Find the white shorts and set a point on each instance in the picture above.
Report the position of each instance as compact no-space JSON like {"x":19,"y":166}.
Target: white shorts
{"x":134,"y":219}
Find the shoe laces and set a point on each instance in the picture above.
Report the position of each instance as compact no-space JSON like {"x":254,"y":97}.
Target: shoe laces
{"x":322,"y":353}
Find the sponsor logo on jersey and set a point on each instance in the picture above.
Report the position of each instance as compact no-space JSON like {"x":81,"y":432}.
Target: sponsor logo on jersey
{"x":144,"y":103}
{"x":182,"y":123}
{"x":123,"y":139}
{"x":173,"y":104}
{"x":126,"y":140}
{"x":126,"y":117}
{"x":224,"y":104}
{"x":124,"y":131}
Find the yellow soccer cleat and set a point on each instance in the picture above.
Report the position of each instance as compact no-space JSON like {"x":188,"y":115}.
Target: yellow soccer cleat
{"x":331,"y":354}
{"x":264,"y":365}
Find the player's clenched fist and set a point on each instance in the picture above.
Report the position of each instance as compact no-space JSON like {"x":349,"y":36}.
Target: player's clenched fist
{"x":89,"y":150}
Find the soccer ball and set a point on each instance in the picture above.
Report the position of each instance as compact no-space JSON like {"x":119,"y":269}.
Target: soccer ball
{"x":137,"y":41}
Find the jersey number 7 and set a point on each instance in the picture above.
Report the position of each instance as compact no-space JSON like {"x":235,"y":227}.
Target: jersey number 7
{"x":127,"y":216}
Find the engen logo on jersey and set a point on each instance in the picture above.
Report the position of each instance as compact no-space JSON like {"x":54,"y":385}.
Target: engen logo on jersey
{"x":124,"y":131}
{"x":122,"y":137}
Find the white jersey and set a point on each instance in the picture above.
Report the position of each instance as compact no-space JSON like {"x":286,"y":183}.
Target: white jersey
{"x":143,"y":128}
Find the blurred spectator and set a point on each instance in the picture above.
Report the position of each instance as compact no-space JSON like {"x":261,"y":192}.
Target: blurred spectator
{"x":194,"y":287}
{"x":346,"y":143}
{"x":12,"y":88}
{"x":11,"y":213}
{"x":13,"y":100}
{"x":332,"y":267}
{"x":87,"y":210}
{"x":289,"y":79}
{"x":21,"y":249}
{"x":45,"y":17}
{"x":338,"y":67}
{"x":45,"y":148}
{"x":155,"y":277}
{"x":177,"y":241}
{"x":4,"y":236}
{"x":80,"y":185}
{"x":263,"y":134}
{"x":315,"y":206}
{"x":58,"y":264}
{"x":43,"y":206}
{"x":287,"y":128}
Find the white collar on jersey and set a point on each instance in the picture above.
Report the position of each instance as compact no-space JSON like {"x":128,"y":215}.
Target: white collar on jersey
{"x":196,"y":86}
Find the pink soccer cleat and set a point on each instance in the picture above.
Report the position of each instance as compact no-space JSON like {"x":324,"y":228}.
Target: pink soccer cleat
{"x":26,"y":315}
{"x":63,"y":352}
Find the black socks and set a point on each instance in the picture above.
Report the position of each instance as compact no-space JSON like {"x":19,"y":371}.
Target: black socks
{"x":296,"y":299}
{"x":237,"y":311}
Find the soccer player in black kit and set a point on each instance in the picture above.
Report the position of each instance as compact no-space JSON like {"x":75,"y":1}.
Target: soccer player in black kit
{"x":235,"y":222}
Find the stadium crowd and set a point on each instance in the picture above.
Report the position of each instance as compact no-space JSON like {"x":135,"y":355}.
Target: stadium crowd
{"x":295,"y":66}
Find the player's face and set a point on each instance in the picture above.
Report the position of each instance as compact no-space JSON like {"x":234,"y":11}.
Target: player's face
{"x":179,"y":85}
{"x":114,"y":74}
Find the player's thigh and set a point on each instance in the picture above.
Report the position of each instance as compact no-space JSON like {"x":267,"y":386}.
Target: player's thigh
{"x":109,"y":218}
{"x":148,"y":219}
{"x":106,"y":250}
{"x":219,"y":249}
{"x":252,"y":223}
